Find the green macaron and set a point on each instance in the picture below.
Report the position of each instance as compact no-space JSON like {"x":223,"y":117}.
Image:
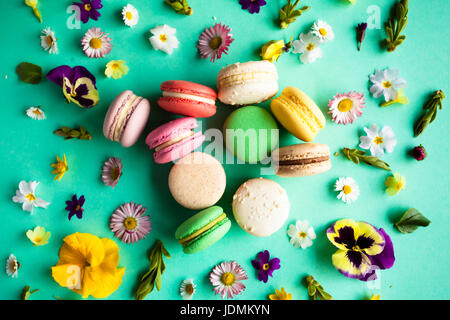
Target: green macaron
{"x":203,"y":229}
{"x":251,"y":133}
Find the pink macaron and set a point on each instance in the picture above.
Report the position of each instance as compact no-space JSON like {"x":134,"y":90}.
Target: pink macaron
{"x":174,"y":139}
{"x":126,"y":118}
{"x":188,"y":98}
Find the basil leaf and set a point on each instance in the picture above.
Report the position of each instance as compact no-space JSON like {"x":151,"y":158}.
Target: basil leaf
{"x":29,"y":73}
{"x":411,"y":220}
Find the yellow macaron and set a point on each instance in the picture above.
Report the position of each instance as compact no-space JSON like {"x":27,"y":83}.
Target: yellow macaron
{"x":298,"y":113}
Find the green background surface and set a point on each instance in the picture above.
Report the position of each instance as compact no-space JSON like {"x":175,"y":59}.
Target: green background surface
{"x":29,"y":147}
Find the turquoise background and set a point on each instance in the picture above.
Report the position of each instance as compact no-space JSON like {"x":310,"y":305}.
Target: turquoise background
{"x":29,"y":147}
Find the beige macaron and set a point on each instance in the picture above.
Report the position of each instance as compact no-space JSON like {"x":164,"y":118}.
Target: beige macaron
{"x":260,"y":206}
{"x":197,"y":181}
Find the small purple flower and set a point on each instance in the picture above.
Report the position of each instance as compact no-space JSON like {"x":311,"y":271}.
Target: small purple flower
{"x":252,"y":5}
{"x":75,"y":206}
{"x":360,"y":33}
{"x":89,"y":9}
{"x":419,"y":153}
{"x":265,"y":265}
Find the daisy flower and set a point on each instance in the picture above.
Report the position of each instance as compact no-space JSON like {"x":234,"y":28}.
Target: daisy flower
{"x":280,"y":295}
{"x":265,"y":265}
{"x":378,"y":141}
{"x":130,"y":15}
{"x":309,"y":47}
{"x":36,"y":113}
{"x":48,"y":41}
{"x":75,"y":207}
{"x":253,"y":6}
{"x":111,"y":171}
{"x":96,"y":44}
{"x":116,"y":69}
{"x":187,"y":289}
{"x":395,"y":183}
{"x":214,"y":41}
{"x":60,"y":167}
{"x":323,"y":31}
{"x":226,"y":279}
{"x":38,"y":236}
{"x":129,"y":223}
{"x":386,"y":83}
{"x":89,"y":9}
{"x":164,"y":38}
{"x":26,"y":196}
{"x":301,"y":234}
{"x":348,"y":189}
{"x":12,"y":266}
{"x":346,"y":107}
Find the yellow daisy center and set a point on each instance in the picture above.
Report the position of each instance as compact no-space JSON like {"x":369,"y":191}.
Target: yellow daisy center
{"x":30,"y":197}
{"x":130,"y":223}
{"x":49,"y":40}
{"x":227,"y":278}
{"x":87,"y":7}
{"x":345,"y":105}
{"x":323,"y":32}
{"x":310,"y":46}
{"x":37,"y":111}
{"x":266,"y":266}
{"x":215,"y":43}
{"x":189,"y":289}
{"x":347,"y":189}
{"x":95,"y":43}
{"x":14,"y":266}
{"x":114,"y":172}
{"x":378,"y":140}
{"x":302,"y":234}
{"x":163,"y":37}
{"x":129,"y":15}
{"x":387,"y":84}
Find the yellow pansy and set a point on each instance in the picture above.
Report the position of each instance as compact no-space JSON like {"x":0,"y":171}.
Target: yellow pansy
{"x":116,"y":69}
{"x":272,"y":50}
{"x":38,"y":236}
{"x":60,"y":167}
{"x":88,"y":265}
{"x":395,"y":184}
{"x":280,"y":295}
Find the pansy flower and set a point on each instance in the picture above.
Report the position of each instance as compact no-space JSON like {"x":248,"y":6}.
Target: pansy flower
{"x":253,"y":6}
{"x":214,"y":41}
{"x":226,"y":279}
{"x":363,"y":249}
{"x":89,"y":9}
{"x":265,"y":266}
{"x":78,"y":85}
{"x":378,"y":141}
{"x":75,"y":207}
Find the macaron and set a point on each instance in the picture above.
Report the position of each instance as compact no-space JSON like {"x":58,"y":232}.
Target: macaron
{"x":260,"y":206}
{"x":126,"y":118}
{"x":247,"y":83}
{"x":188,"y":98}
{"x":203,"y":229}
{"x":174,"y":139}
{"x":197,"y":181}
{"x":298,"y":113}
{"x":300,"y":160}
{"x":250,"y":133}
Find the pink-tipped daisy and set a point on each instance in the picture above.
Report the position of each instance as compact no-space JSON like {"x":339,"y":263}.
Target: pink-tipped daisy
{"x":226,"y":279}
{"x":111,"y":171}
{"x":346,"y":107}
{"x":214,"y":41}
{"x":96,"y":44}
{"x":129,"y":223}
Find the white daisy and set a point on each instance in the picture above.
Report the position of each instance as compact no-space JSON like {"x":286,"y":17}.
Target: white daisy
{"x":323,"y":31}
{"x":187,"y":289}
{"x":36,"y":113}
{"x":48,"y":41}
{"x":386,"y":83}
{"x":26,"y":196}
{"x":378,"y":142}
{"x":349,"y":190}
{"x":164,"y":38}
{"x":130,"y":15}
{"x":346,"y":107}
{"x":96,"y":44}
{"x":12,"y":266}
{"x":309,"y":47}
{"x":301,"y":234}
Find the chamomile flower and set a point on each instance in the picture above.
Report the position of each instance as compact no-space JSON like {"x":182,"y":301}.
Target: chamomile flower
{"x":378,"y":141}
{"x":48,"y":41}
{"x":36,"y":113}
{"x":12,"y":266}
{"x":26,"y":195}
{"x":164,"y":38}
{"x":386,"y":83}
{"x":187,"y":289}
{"x":38,"y":236}
{"x":96,"y":44}
{"x":323,"y":31}
{"x":309,"y":47}
{"x":130,"y":15}
{"x":346,"y":107}
{"x":301,"y":234}
{"x":348,"y":189}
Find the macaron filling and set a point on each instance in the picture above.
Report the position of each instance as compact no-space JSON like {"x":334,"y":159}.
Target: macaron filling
{"x":246,"y":77}
{"x":170,"y":94}
{"x":204,"y":230}
{"x":184,"y":135}
{"x":123,"y":115}
{"x":304,"y":161}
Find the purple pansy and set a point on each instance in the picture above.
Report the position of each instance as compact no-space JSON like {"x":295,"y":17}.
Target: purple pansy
{"x":89,"y":9}
{"x":265,"y":265}
{"x":77,"y":83}
{"x":252,"y":5}
{"x":75,"y":207}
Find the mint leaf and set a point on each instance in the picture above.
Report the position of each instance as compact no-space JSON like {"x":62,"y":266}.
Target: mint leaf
{"x":411,"y":220}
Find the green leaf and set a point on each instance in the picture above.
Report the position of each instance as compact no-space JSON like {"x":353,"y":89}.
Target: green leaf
{"x":411,"y":220}
{"x":29,"y":73}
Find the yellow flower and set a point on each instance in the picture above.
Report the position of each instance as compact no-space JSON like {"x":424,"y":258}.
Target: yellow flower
{"x":33,"y":4}
{"x":38,"y":236}
{"x":352,"y":1}
{"x":272,"y":50}
{"x":375,"y":297}
{"x":394,"y":184}
{"x":280,"y":295}
{"x":401,"y":98}
{"x":88,"y":265}
{"x":60,"y":167}
{"x":116,"y":69}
